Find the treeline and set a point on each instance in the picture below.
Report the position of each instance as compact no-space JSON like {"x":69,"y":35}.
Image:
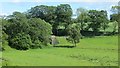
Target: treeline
{"x":32,"y":29}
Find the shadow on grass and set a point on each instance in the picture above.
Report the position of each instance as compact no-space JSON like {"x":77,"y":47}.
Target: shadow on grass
{"x":64,"y":46}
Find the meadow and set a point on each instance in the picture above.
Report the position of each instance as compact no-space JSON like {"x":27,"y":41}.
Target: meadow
{"x":97,"y":51}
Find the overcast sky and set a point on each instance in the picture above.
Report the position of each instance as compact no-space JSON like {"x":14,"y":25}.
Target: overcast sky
{"x":7,"y":7}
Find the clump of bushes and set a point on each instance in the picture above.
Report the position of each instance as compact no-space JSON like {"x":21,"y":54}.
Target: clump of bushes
{"x":24,"y":33}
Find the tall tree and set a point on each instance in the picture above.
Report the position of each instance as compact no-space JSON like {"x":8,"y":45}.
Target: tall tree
{"x":116,"y":14}
{"x":64,"y":13}
{"x":81,"y":17}
{"x":105,"y":21}
{"x":98,"y":19}
{"x":44,"y":12}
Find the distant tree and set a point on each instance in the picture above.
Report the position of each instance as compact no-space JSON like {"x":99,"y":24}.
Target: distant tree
{"x":105,"y":21}
{"x":116,"y":13}
{"x":44,"y":12}
{"x":52,"y":14}
{"x":99,"y":19}
{"x":115,"y":9}
{"x":64,"y":13}
{"x":115,"y":17}
{"x":81,"y":17}
{"x":73,"y":34}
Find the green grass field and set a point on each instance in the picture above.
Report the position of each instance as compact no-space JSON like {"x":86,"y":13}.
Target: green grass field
{"x":98,"y":51}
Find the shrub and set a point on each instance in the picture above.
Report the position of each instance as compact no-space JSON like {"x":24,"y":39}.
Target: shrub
{"x":39,"y":30}
{"x":21,"y":41}
{"x":36,"y":44}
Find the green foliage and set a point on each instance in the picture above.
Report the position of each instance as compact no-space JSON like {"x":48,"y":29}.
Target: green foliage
{"x":81,"y":17}
{"x":64,"y":13}
{"x":36,"y":44}
{"x":98,"y":19}
{"x":116,"y":15}
{"x":4,"y":40}
{"x":73,"y":34}
{"x":3,"y":35}
{"x":17,"y":24}
{"x":21,"y":41}
{"x":44,"y":12}
{"x":115,"y":9}
{"x":52,"y":14}
{"x":39,"y":29}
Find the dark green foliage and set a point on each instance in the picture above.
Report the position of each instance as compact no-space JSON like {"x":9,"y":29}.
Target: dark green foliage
{"x":44,"y":12}
{"x":98,"y":19}
{"x":52,"y":14}
{"x":3,"y":35}
{"x":26,"y":33}
{"x":4,"y":40}
{"x":39,"y":30}
{"x":73,"y":34}
{"x":64,"y":13}
{"x":17,"y":24}
{"x":114,"y":17}
{"x":21,"y":41}
{"x":36,"y":44}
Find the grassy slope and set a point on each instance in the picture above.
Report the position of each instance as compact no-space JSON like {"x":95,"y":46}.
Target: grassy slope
{"x":89,"y":52}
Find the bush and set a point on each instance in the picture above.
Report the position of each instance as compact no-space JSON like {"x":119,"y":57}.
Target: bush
{"x":26,"y":33}
{"x":39,"y":30}
{"x":36,"y":44}
{"x":21,"y":41}
{"x":4,"y":41}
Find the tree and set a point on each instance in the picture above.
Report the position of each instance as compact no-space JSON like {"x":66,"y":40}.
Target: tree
{"x":116,"y":14}
{"x":73,"y":34}
{"x":52,"y":14}
{"x":44,"y":12}
{"x":105,"y":21}
{"x":22,"y":29}
{"x":98,"y":19}
{"x":64,"y":13}
{"x":39,"y":30}
{"x":81,"y":17}
{"x":17,"y":24}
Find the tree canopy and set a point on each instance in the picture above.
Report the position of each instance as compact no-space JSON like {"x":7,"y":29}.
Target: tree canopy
{"x":32,"y":30}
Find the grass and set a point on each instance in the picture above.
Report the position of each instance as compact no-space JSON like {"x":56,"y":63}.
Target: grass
{"x":98,"y":51}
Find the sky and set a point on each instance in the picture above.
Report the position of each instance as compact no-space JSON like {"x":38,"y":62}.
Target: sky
{"x":7,"y":7}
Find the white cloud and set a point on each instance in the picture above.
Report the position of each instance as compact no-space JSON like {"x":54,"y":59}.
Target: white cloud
{"x":59,"y":1}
